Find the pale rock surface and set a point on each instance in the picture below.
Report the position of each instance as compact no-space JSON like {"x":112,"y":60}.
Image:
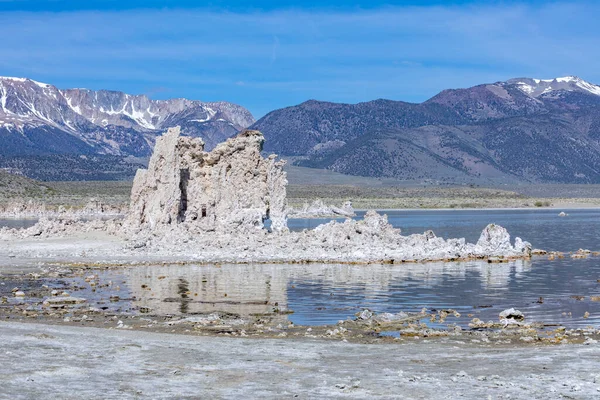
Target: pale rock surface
{"x":57,"y":302}
{"x":372,"y":239}
{"x":318,"y":209}
{"x":496,"y":240}
{"x":37,"y":209}
{"x":61,"y":227}
{"x":511,"y":313}
{"x":230,"y":189}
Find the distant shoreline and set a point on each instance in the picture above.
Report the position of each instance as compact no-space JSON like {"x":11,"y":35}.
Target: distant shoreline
{"x":594,"y":207}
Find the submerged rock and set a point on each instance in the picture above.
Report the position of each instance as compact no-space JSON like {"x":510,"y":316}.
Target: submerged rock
{"x":61,"y":301}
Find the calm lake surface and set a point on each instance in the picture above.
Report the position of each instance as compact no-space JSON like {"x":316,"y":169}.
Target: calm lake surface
{"x":323,"y":294}
{"x":17,"y":223}
{"x":319,"y":294}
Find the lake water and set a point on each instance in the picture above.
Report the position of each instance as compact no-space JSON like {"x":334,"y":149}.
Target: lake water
{"x":17,"y":223}
{"x":553,"y":291}
{"x":320,"y":294}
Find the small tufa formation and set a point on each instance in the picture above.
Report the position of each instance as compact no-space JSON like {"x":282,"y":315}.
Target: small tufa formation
{"x":511,"y":313}
{"x":318,"y":209}
{"x":495,"y":239}
{"x":229,"y":189}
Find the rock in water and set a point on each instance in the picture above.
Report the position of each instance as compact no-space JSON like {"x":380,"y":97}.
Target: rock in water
{"x":495,"y":239}
{"x":229,"y":189}
{"x":511,"y":313}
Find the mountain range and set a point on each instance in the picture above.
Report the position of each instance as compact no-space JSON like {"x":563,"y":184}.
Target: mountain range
{"x":39,"y":119}
{"x":519,"y":130}
{"x":523,"y":129}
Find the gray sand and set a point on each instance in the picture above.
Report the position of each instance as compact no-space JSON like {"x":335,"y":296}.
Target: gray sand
{"x":39,"y":361}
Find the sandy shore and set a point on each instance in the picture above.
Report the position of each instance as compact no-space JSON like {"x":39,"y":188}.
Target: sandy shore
{"x":44,"y":362}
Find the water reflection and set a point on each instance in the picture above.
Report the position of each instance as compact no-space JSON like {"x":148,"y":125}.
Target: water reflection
{"x":240,"y":289}
{"x":323,"y":294}
{"x":183,"y":291}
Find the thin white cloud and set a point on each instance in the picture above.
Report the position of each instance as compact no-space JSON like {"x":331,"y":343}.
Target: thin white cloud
{"x":274,"y":49}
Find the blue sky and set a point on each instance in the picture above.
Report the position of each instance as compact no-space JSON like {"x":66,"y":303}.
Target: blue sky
{"x":269,"y":54}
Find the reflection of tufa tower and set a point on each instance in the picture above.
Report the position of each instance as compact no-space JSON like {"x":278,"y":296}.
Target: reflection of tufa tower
{"x":259,"y":289}
{"x":237,"y":289}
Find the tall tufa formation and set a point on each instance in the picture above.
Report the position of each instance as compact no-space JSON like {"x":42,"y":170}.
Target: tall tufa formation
{"x":229,"y":189}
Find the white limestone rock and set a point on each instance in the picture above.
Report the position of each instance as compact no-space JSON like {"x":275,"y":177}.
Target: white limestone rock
{"x":211,"y":207}
{"x":318,"y":209}
{"x":230,"y":189}
{"x":495,"y":241}
{"x":511,"y":313}
{"x":372,"y":239}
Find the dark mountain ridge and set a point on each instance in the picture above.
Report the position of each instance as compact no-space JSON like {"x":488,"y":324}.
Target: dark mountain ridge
{"x":519,"y":130}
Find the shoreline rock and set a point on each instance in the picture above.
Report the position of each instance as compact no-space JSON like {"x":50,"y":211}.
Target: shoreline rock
{"x":371,"y":240}
{"x":37,"y":210}
{"x":212,"y":206}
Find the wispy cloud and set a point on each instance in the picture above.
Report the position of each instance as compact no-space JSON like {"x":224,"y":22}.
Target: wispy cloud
{"x":267,"y":60}
{"x":275,"y":48}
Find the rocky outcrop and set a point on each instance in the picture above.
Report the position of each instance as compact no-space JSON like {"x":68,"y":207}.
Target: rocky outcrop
{"x":61,"y":227}
{"x":495,"y":239}
{"x":38,"y":209}
{"x":372,"y":239}
{"x":193,"y":205}
{"x":229,"y":189}
{"x":374,"y":235}
{"x":318,"y":209}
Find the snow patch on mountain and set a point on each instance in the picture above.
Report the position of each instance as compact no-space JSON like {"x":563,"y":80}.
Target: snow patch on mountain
{"x":110,"y":119}
{"x":19,"y":95}
{"x":74,"y":108}
{"x":536,"y":87}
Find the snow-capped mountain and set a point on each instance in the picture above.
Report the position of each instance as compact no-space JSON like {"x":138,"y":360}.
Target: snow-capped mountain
{"x":523,"y":129}
{"x":537,"y":87}
{"x":39,"y":118}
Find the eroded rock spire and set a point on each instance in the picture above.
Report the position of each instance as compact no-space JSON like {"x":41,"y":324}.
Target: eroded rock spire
{"x":229,"y":189}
